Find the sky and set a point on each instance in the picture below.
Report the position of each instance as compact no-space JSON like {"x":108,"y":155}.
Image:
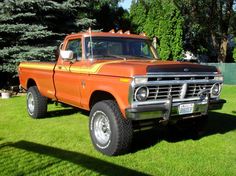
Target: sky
{"x":125,"y":4}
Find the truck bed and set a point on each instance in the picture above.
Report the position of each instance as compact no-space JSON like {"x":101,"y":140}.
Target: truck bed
{"x":42,"y":73}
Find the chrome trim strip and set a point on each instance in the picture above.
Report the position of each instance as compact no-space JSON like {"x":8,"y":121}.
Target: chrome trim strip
{"x":174,"y":82}
{"x":131,"y":92}
{"x":171,"y":74}
{"x":182,"y":73}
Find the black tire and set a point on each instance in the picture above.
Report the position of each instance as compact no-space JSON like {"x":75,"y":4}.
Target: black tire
{"x":115,"y":134}
{"x":36,"y":103}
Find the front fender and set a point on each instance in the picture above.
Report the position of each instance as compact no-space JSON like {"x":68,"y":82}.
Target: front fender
{"x":117,"y":87}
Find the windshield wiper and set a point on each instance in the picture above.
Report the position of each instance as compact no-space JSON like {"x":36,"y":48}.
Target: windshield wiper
{"x":124,"y":57}
{"x":110,"y":56}
{"x":139,"y":57}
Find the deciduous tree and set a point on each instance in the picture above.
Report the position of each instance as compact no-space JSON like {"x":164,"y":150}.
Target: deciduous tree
{"x":208,"y":24}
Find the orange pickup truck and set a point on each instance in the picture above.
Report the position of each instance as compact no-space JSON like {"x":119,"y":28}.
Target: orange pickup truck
{"x":119,"y":78}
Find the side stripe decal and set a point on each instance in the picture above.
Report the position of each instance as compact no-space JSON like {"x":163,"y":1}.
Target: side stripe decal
{"x":40,"y":66}
{"x":74,"y":69}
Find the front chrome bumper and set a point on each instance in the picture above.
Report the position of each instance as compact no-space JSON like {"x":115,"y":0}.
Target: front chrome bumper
{"x":169,"y":110}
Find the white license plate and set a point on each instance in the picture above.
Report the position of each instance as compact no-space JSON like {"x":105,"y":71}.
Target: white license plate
{"x":186,"y":109}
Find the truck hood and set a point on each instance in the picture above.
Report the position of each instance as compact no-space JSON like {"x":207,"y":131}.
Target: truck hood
{"x":131,"y":68}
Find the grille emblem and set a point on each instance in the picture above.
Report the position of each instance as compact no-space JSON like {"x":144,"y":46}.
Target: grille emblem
{"x":202,"y":93}
{"x":183,"y":91}
{"x":186,"y":69}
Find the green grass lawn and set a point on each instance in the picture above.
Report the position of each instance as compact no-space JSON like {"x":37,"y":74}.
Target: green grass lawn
{"x":60,"y":145}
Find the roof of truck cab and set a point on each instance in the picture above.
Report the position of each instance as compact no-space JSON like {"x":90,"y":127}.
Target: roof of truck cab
{"x":105,"y":34}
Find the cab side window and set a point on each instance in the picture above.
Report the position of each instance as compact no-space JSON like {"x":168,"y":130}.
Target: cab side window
{"x":76,"y":47}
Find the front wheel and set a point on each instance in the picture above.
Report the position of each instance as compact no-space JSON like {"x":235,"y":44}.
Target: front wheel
{"x":110,"y":132}
{"x":36,"y":103}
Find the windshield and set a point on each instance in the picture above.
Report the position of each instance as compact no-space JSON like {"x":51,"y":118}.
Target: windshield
{"x":118,"y":48}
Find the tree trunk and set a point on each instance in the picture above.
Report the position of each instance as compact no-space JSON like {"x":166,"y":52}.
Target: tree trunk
{"x":224,"y":28}
{"x":223,"y":49}
{"x":215,"y":43}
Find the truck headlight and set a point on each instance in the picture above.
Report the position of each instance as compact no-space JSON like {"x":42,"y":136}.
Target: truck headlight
{"x":215,"y":90}
{"x":141,"y":94}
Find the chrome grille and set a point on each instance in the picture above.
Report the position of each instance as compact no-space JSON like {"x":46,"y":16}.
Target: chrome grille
{"x":164,"y":91}
{"x":194,"y":89}
{"x":179,"y":86}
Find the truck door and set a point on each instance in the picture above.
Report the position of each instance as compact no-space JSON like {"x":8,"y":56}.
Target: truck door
{"x":67,"y":82}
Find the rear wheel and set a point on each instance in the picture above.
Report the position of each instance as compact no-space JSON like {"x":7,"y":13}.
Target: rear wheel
{"x":110,"y":132}
{"x":36,"y":103}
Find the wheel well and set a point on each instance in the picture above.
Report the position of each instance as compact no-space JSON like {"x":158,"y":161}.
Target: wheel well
{"x":99,"y":96}
{"x":31,"y":83}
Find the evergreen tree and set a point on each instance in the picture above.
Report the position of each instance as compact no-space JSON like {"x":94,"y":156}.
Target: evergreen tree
{"x":31,"y":29}
{"x":138,"y":15}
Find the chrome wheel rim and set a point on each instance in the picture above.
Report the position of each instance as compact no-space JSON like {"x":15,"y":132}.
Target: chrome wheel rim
{"x":30,"y":103}
{"x":102,"y":130}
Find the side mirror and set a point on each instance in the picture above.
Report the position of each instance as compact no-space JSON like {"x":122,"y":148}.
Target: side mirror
{"x":66,"y":54}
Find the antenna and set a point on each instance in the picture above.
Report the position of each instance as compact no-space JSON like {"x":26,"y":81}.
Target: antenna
{"x":91,"y":42}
